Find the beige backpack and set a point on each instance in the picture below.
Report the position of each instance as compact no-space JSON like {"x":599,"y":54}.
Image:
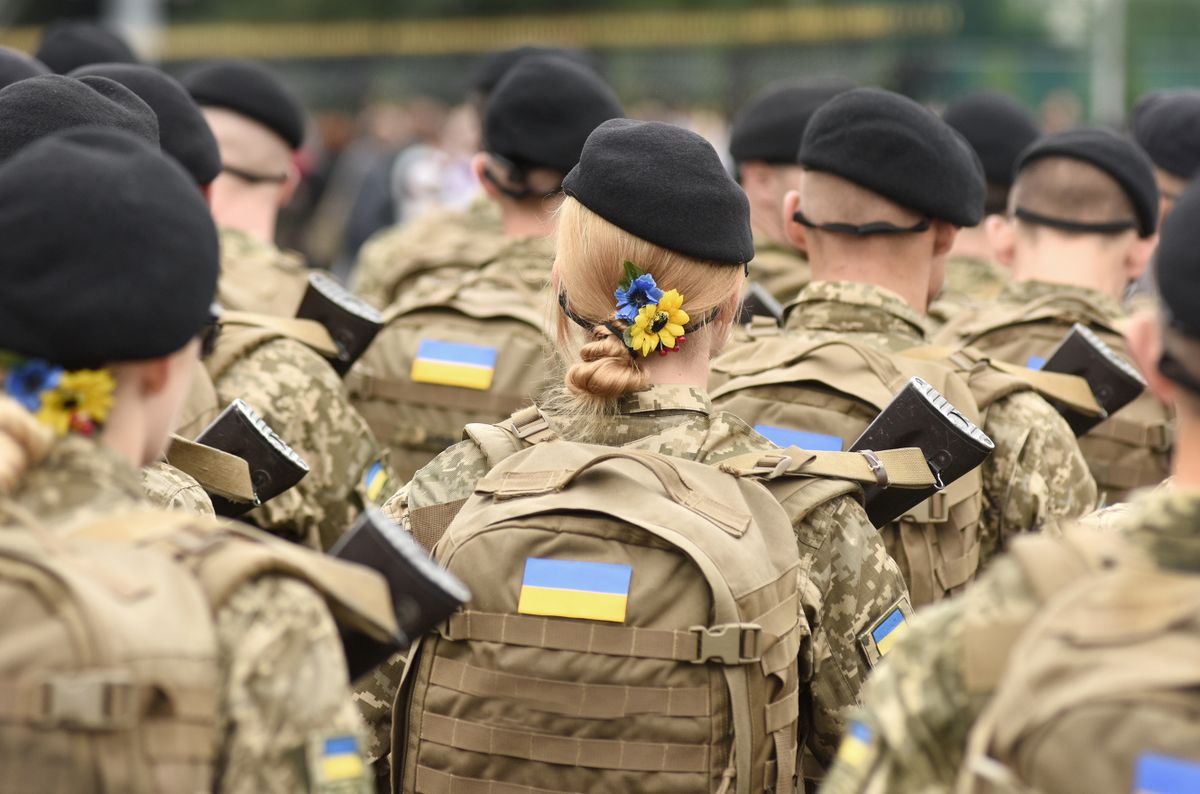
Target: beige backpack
{"x":1101,"y":693}
{"x":635,"y":625}
{"x":1127,"y":451}
{"x":473,"y":351}
{"x":108,"y":678}
{"x":822,"y":395}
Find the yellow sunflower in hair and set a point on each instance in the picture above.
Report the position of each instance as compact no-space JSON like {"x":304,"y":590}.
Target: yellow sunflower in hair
{"x":79,"y":402}
{"x":659,"y":326}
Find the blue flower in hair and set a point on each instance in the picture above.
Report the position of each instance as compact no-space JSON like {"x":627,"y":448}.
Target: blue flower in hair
{"x":636,"y":291}
{"x":27,"y":382}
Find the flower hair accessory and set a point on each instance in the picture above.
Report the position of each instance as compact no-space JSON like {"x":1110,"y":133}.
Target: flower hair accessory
{"x":76,"y":401}
{"x":656,"y":318}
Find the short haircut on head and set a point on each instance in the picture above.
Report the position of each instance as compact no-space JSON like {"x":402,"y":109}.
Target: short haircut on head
{"x":1071,"y":190}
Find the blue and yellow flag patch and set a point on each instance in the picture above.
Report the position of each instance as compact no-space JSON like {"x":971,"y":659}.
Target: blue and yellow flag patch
{"x":458,"y":364}
{"x":1161,"y":774}
{"x":335,"y":763}
{"x":374,"y":481}
{"x":575,"y":589}
{"x":856,"y":745}
{"x":1035,"y":362}
{"x":786,"y":437}
{"x":889,"y":630}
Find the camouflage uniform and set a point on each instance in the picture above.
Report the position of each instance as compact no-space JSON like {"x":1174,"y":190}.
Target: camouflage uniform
{"x":171,"y":489}
{"x":1142,"y":457}
{"x":258,"y":277}
{"x":781,"y":270}
{"x":969,"y":281}
{"x":851,"y":582}
{"x":1035,"y":478}
{"x":441,"y":243}
{"x":300,"y":396}
{"x":918,"y":707}
{"x":282,"y":664}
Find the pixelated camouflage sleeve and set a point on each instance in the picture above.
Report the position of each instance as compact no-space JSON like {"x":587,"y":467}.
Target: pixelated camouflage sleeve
{"x":911,"y":731}
{"x":1037,"y":478}
{"x":851,"y":584}
{"x":287,"y":720}
{"x":304,"y":401}
{"x":172,"y":489}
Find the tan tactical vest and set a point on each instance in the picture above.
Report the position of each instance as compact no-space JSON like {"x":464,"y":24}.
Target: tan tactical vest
{"x":1127,"y":451}
{"x":1101,"y":692}
{"x":822,"y":395}
{"x":474,"y":351}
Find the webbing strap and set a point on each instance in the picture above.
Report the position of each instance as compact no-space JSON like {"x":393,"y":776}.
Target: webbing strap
{"x":96,"y":700}
{"x":217,"y":472}
{"x":1071,"y":390}
{"x":370,"y":387}
{"x":566,"y":635}
{"x":432,"y":781}
{"x":1157,"y":437}
{"x":785,"y":759}
{"x":554,"y":749}
{"x":308,"y":332}
{"x":428,"y":524}
{"x":783,"y":712}
{"x":589,"y":701}
{"x":901,"y":468}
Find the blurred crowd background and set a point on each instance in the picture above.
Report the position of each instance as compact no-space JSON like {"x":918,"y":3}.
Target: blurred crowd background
{"x":389,"y":82}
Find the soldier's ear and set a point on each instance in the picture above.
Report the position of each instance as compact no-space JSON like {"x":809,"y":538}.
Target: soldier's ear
{"x":943,"y":238}
{"x":479,"y":168}
{"x":1138,"y":257}
{"x":290,"y":184}
{"x":796,"y":233}
{"x":1143,"y":333}
{"x":1002,"y":236}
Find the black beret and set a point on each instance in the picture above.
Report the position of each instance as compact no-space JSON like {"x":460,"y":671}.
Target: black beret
{"x":36,"y":107}
{"x":771,"y":125}
{"x":182,"y":130}
{"x":69,"y":44}
{"x":252,"y":90}
{"x":1119,"y":158}
{"x":899,"y":149}
{"x":110,"y":252}
{"x":997,"y":127}
{"x":16,"y":65}
{"x":1167,"y":125}
{"x":543,"y":111}
{"x":495,"y":65}
{"x":1178,"y":262}
{"x":666,"y":185}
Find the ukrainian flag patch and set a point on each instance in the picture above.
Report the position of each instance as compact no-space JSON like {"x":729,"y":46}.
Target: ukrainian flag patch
{"x":889,"y":630}
{"x":786,"y":437}
{"x":458,"y":364}
{"x":856,"y":745}
{"x":1035,"y":362}
{"x":575,"y":589}
{"x":374,"y":480}
{"x":1161,"y":774}
{"x":335,"y":760}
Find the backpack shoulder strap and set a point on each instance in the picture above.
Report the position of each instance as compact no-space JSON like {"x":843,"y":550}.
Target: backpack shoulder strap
{"x":896,"y":468}
{"x":217,"y":472}
{"x":524,"y":428}
{"x":307,"y":332}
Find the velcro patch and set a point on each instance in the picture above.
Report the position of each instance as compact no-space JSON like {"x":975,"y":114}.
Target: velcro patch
{"x":882,"y":635}
{"x":459,"y":364}
{"x":1161,"y":774}
{"x":575,"y":589}
{"x":375,"y":480}
{"x":1035,"y":362}
{"x":336,"y":765}
{"x":856,"y":745}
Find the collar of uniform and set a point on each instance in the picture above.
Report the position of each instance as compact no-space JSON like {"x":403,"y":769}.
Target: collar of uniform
{"x":238,"y":246}
{"x":876,"y":310}
{"x":77,"y":476}
{"x":670,"y":397}
{"x":1165,"y":522}
{"x":1022,"y":292}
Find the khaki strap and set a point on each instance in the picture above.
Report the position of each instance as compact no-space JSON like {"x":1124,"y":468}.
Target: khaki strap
{"x":1071,"y":390}
{"x":555,"y":749}
{"x":1157,"y":437}
{"x":97,"y":700}
{"x":431,"y":781}
{"x":496,"y":442}
{"x":901,"y":468}
{"x":590,"y":701}
{"x":696,"y":645}
{"x":531,"y":425}
{"x":783,"y":712}
{"x":785,"y":757}
{"x":308,"y":332}
{"x":428,"y":524}
{"x":370,"y":387}
{"x":519,"y":484}
{"x":217,"y":472}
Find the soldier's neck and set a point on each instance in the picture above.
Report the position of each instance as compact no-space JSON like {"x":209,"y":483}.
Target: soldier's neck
{"x":519,"y":223}
{"x":1075,"y":264}
{"x":258,"y":224}
{"x":909,"y":282}
{"x":688,"y":367}
{"x":767,"y":220}
{"x":972,"y":243}
{"x":1185,"y":465}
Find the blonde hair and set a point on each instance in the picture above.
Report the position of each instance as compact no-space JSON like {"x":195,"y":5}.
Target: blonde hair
{"x":24,"y":443}
{"x":588,"y":268}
